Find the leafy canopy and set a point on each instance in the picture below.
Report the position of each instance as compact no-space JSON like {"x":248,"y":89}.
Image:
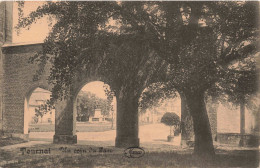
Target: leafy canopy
{"x":199,"y":39}
{"x":81,"y":45}
{"x":88,"y":102}
{"x":170,"y":119}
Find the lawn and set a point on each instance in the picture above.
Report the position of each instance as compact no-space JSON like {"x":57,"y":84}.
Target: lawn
{"x":80,"y":127}
{"x":4,"y":141}
{"x":116,"y":158}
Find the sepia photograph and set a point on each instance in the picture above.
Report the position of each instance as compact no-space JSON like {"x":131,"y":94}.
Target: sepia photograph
{"x":138,"y":84}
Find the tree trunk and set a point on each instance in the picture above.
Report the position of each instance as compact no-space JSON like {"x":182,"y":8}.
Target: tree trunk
{"x":112,"y":124}
{"x":203,"y":139}
{"x":212,"y":107}
{"x":187,"y":132}
{"x":242,"y":121}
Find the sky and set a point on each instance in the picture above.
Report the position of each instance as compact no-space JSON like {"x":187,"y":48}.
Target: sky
{"x":37,"y":32}
{"x":95,"y":88}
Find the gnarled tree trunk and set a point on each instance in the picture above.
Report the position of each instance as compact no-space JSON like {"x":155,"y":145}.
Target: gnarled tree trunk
{"x":203,"y":139}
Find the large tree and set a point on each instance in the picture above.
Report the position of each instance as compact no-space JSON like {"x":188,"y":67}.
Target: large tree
{"x":155,"y":94}
{"x":200,"y":40}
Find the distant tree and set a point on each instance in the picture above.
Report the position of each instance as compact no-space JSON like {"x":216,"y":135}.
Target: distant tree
{"x":41,"y":110}
{"x":172,"y":120}
{"x":110,"y":96}
{"x":88,"y":102}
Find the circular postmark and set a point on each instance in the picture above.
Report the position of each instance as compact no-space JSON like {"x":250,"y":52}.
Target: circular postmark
{"x":134,"y":152}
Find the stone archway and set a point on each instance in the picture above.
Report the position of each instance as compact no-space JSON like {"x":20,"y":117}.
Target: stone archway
{"x":79,"y":86}
{"x":27,"y":111}
{"x":65,"y":118}
{"x":93,"y":115}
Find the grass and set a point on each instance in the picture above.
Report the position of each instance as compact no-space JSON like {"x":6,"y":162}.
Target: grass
{"x":5,"y":141}
{"x":185,"y":158}
{"x":80,"y":127}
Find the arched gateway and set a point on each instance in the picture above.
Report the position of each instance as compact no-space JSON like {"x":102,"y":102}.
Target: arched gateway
{"x":17,"y":84}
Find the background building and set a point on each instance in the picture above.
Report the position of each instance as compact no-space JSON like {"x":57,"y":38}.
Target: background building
{"x":39,"y":97}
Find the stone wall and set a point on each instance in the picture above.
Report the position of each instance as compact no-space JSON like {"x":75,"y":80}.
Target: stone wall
{"x":235,"y":139}
{"x":229,"y":120}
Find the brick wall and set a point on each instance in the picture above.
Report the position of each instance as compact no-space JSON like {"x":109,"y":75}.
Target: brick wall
{"x":6,"y":27}
{"x":18,"y":83}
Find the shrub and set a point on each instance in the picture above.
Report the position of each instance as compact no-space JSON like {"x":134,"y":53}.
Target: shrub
{"x":171,"y":119}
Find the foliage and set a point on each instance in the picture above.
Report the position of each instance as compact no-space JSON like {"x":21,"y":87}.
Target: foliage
{"x":183,"y":33}
{"x":35,"y":119}
{"x":88,"y":102}
{"x":42,"y":110}
{"x":155,"y":94}
{"x":110,"y":95}
{"x":171,"y":119}
{"x":200,"y":40}
{"x":244,"y":86}
{"x":80,"y":41}
{"x":239,"y":83}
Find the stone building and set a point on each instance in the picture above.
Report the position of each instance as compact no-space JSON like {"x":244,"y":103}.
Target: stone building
{"x":39,"y":97}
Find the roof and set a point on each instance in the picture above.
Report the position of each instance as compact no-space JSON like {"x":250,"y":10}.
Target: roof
{"x":39,"y":96}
